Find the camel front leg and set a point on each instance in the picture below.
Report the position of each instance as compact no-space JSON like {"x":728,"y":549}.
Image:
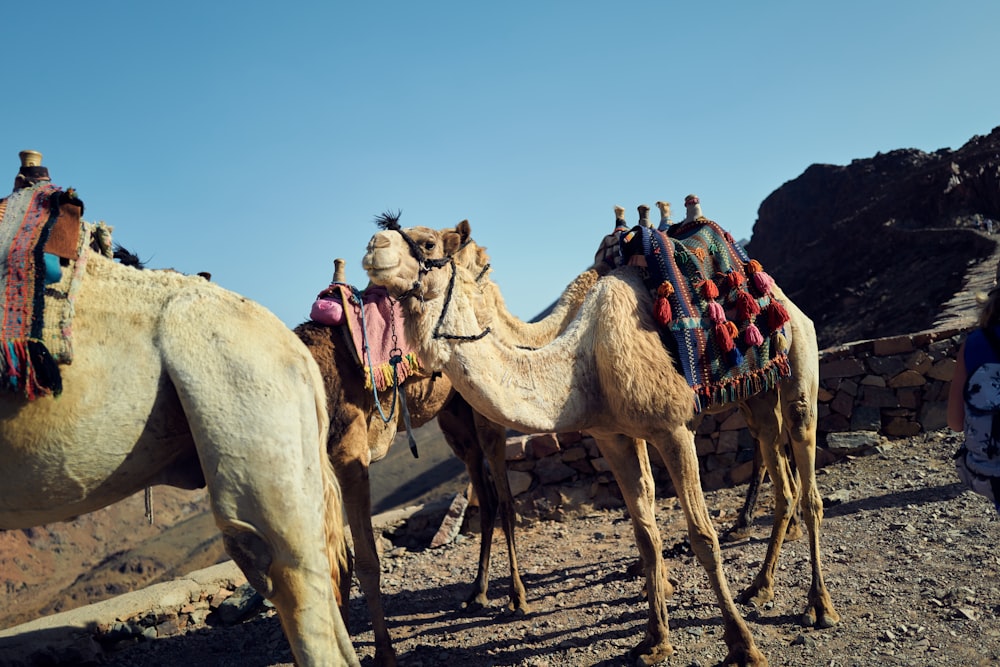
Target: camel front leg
{"x":680,"y":456}
{"x":355,"y":484}
{"x":628,"y":460}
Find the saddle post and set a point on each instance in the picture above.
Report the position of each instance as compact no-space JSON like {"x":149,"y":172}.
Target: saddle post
{"x":339,"y":274}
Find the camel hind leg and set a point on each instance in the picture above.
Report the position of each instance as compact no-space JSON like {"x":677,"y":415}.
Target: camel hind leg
{"x":476,"y":440}
{"x":256,"y":408}
{"x":800,"y":421}
{"x":763,"y":419}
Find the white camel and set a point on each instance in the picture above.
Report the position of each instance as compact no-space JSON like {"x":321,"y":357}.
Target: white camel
{"x":609,"y":375}
{"x":175,"y":380}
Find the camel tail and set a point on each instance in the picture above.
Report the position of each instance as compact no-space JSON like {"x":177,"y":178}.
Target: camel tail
{"x":336,"y":538}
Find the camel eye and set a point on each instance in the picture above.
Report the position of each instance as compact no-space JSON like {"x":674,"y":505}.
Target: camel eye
{"x":429,"y":245}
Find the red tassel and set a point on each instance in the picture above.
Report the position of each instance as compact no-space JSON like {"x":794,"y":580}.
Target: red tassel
{"x":746,"y":305}
{"x":762,"y":282}
{"x":662,"y":312}
{"x":776,"y":315}
{"x":734,"y":279}
{"x":716,"y":312}
{"x":723,"y":338}
{"x":753,"y":266}
{"x":709,"y":290}
{"x":752,"y":336}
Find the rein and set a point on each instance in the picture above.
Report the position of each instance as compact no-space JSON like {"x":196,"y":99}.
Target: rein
{"x":426,"y":265}
{"x":444,"y":310}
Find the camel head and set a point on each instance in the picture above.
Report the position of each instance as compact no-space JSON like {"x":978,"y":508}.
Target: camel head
{"x":407,"y":261}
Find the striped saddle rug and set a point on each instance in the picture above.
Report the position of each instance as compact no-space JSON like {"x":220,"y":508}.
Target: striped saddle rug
{"x":717,"y":304}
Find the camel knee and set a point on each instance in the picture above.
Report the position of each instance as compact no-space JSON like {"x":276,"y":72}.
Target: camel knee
{"x":800,"y":418}
{"x":251,"y":553}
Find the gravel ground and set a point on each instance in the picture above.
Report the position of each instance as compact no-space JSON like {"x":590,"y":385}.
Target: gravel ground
{"x":908,"y":555}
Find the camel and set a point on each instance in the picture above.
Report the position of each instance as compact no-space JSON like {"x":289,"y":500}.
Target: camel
{"x":361,"y":432}
{"x":610,"y":376}
{"x":175,"y":380}
{"x":803,"y":336}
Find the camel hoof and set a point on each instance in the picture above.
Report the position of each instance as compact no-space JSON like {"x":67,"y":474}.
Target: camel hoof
{"x":474,"y":604}
{"x":751,"y":657}
{"x":645,"y":656}
{"x":757,"y":597}
{"x":820,"y":619}
{"x":735,"y":534}
{"x":518,"y":610}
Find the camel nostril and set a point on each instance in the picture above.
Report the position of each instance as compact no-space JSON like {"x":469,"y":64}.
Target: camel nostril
{"x":380,"y":242}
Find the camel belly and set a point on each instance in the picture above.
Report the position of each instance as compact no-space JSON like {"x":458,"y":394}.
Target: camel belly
{"x":89,"y":447}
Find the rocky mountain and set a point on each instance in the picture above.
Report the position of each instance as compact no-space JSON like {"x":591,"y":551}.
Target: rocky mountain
{"x":876,"y":247}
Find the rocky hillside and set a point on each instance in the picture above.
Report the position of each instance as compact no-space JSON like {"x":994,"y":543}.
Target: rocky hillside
{"x":876,"y":247}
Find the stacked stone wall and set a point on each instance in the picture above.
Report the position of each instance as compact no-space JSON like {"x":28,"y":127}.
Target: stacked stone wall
{"x":870,"y":391}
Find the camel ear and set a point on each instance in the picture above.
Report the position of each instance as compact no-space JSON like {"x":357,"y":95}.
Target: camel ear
{"x":464,"y":230}
{"x":454,"y":240}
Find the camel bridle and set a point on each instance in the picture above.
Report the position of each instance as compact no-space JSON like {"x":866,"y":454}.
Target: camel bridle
{"x":390,"y":223}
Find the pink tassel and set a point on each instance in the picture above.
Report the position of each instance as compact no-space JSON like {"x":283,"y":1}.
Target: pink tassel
{"x":662,"y":312}
{"x":716,"y":312}
{"x":762,"y":282}
{"x":752,"y":336}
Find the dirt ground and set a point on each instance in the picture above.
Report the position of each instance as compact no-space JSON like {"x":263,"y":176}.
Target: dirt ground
{"x":909,"y":559}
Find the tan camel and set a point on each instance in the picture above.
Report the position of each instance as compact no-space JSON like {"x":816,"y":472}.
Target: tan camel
{"x":803,"y":360}
{"x":359,"y":436}
{"x":177,"y":381}
{"x":610,"y":376}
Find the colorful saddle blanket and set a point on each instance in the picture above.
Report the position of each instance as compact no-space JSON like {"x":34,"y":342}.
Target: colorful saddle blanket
{"x":375,"y":323}
{"x":29,"y":216}
{"x":717,"y":304}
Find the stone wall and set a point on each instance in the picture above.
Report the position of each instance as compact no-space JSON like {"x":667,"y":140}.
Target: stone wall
{"x":870,"y":391}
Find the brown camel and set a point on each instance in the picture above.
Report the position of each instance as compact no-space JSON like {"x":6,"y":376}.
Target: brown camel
{"x":359,"y":436}
{"x":610,"y":375}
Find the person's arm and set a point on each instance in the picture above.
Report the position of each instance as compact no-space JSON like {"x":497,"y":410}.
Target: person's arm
{"x":956,"y":400}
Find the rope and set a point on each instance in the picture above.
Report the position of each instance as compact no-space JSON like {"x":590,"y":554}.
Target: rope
{"x":444,"y":310}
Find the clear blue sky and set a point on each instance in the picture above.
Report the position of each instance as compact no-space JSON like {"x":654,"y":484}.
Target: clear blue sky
{"x":258,"y":140}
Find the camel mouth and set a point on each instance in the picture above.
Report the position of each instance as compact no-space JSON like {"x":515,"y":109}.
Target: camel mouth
{"x":374,"y":263}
